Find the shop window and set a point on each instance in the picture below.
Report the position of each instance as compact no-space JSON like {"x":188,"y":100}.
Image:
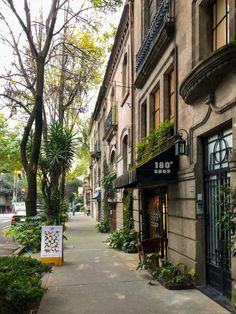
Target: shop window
{"x":156,"y":109}
{"x":144,"y":120}
{"x":220,"y":23}
{"x":171,"y":95}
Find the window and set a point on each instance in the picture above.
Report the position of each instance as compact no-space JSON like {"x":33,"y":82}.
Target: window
{"x":144,"y":120}
{"x":112,"y":162}
{"x":124,"y":74}
{"x":156,"y":109}
{"x":220,"y":23}
{"x":125,"y":153}
{"x":171,"y":95}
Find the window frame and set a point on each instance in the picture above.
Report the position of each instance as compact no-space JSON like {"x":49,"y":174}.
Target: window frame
{"x":171,"y":93}
{"x":156,"y":110}
{"x":216,"y":25}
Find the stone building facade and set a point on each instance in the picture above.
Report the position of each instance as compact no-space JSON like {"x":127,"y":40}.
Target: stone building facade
{"x":183,"y":58}
{"x":111,"y":121}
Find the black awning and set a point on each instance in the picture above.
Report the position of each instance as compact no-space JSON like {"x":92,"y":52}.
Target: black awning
{"x":127,"y":180}
{"x":160,"y":168}
{"x":163,"y":167}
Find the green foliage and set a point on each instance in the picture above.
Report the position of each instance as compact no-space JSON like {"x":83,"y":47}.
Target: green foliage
{"x":27,"y":233}
{"x":56,"y":158}
{"x":168,"y":273}
{"x":127,"y":209}
{"x":227,"y":203}
{"x":107,"y":5}
{"x":103,"y":226}
{"x":149,"y":263}
{"x":124,"y":239}
{"x":9,"y":147}
{"x":155,"y":142}
{"x":20,"y":281}
{"x":109,"y":193}
{"x":175,"y":274}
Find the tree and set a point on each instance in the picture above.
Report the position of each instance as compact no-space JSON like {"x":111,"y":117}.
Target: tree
{"x":25,"y":82}
{"x":9,"y":147}
{"x":58,"y":154}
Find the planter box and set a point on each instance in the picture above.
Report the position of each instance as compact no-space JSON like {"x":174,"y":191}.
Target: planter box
{"x":176,"y":286}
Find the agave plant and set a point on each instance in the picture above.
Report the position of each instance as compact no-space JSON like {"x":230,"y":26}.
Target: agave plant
{"x":56,"y":159}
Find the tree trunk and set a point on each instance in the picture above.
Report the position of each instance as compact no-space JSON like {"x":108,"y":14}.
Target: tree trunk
{"x":31,"y":198}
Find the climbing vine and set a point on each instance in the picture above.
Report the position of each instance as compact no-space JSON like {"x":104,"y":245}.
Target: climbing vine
{"x":227,"y":219}
{"x":127,"y":208}
{"x":109,"y":194}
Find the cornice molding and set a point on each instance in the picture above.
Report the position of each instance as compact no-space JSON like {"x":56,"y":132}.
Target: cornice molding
{"x":205,"y":77}
{"x":161,"y":43}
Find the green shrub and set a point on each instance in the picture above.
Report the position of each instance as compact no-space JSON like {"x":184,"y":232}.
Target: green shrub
{"x":103,"y":226}
{"x":27,"y":234}
{"x":170,"y":273}
{"x":155,"y":142}
{"x":20,"y":282}
{"x":124,"y":239}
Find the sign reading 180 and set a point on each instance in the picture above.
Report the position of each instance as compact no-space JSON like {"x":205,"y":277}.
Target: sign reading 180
{"x":163,"y":167}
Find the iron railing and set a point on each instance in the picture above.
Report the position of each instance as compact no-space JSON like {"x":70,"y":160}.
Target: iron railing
{"x":97,"y":148}
{"x":160,"y":19}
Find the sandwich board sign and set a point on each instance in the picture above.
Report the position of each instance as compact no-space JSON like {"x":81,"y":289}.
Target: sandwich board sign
{"x":51,"y":245}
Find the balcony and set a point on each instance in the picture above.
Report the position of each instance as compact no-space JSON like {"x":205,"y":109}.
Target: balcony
{"x":110,"y":125}
{"x":155,"y":43}
{"x":96,"y":151}
{"x":204,"y":79}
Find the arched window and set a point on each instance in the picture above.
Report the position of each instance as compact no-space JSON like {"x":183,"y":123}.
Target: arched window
{"x":112,"y":160}
{"x":125,"y":153}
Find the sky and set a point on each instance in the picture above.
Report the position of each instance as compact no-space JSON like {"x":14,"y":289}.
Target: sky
{"x":6,"y":52}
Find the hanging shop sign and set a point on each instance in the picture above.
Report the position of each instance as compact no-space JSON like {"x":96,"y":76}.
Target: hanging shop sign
{"x":162,"y":167}
{"x":51,"y":245}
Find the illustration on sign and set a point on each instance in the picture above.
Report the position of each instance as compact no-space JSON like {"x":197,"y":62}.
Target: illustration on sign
{"x":51,"y":244}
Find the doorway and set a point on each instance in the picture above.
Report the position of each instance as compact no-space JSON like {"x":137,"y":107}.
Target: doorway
{"x":155,"y":217}
{"x":217,"y":175}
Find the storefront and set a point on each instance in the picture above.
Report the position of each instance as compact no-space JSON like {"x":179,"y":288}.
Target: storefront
{"x":151,"y":179}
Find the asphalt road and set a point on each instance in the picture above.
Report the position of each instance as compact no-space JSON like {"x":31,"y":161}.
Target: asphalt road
{"x":7,"y":245}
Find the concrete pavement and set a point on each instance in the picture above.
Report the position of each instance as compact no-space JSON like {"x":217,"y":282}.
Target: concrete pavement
{"x":96,"y":279}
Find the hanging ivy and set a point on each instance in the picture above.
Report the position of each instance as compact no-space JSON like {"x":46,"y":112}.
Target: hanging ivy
{"x":227,"y":203}
{"x":127,"y":208}
{"x":109,"y":194}
{"x":155,"y":142}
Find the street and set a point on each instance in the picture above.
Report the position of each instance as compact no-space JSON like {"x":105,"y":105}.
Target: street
{"x":7,"y":245}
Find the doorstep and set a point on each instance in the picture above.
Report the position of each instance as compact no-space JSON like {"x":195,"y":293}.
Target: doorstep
{"x":217,"y":297}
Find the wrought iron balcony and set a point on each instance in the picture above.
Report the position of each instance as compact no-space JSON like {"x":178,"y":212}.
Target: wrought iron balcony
{"x":110,"y":124}
{"x":158,"y":37}
{"x":97,"y":148}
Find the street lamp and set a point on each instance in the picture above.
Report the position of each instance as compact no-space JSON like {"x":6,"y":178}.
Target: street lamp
{"x":182,"y":143}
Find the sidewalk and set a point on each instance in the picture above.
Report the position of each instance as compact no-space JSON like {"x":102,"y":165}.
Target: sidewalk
{"x":96,"y":279}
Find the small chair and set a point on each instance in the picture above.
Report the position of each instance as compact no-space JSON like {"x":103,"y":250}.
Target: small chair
{"x":149,"y":246}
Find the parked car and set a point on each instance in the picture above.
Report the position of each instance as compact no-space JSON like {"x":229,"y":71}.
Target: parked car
{"x":19,"y":217}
